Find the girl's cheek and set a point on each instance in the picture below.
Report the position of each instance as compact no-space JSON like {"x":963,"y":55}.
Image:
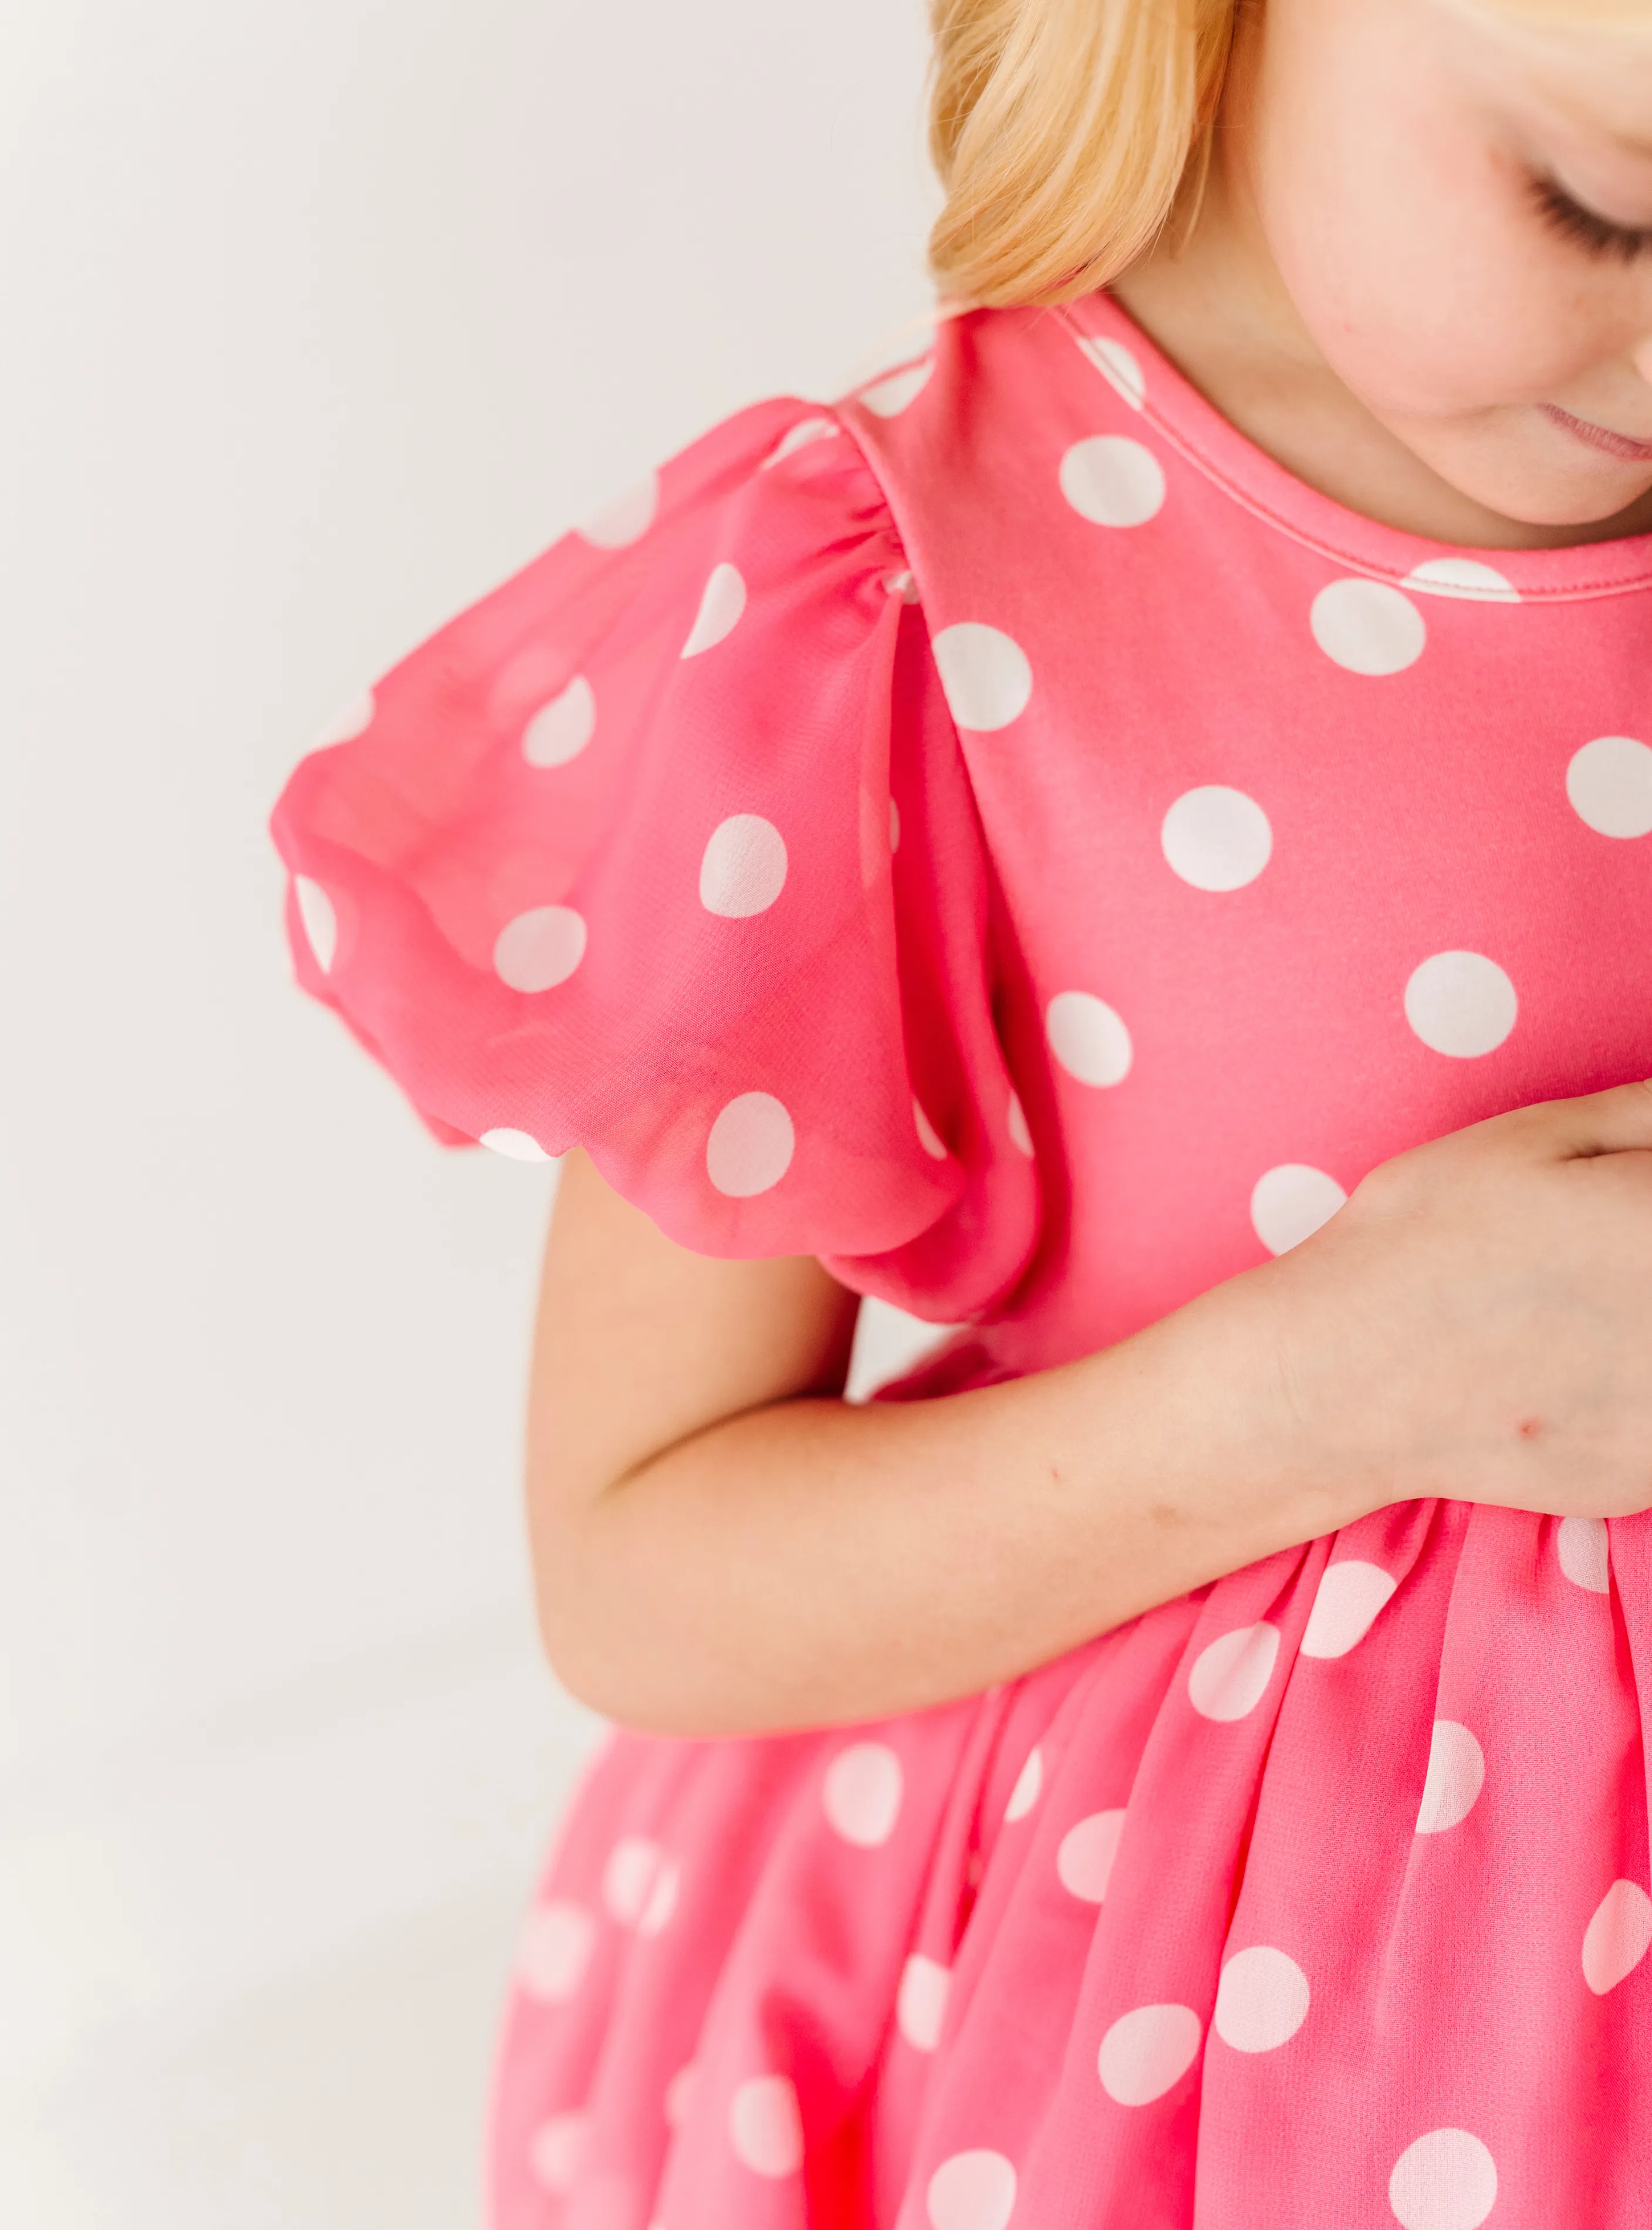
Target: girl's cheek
{"x":1400,"y":226}
{"x":1431,"y":302}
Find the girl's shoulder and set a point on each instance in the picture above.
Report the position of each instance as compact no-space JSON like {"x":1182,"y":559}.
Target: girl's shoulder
{"x":665,"y":848}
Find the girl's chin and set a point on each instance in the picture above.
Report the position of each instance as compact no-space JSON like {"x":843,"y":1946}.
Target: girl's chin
{"x":1585,"y":492}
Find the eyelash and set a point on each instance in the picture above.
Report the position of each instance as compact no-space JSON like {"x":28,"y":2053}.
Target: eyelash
{"x":1598,"y":236}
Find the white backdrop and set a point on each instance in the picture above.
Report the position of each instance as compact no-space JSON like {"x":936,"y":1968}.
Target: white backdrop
{"x":320,"y":316}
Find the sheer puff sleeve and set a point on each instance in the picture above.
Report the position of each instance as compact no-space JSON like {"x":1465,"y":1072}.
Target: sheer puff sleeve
{"x":666,"y":849}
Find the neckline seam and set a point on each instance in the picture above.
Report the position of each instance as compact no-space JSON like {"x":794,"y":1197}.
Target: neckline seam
{"x":1187,"y":447}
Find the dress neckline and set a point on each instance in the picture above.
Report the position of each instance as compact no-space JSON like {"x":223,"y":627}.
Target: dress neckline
{"x":1124,"y":355}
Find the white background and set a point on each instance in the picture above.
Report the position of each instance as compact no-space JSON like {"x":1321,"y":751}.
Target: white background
{"x":320,"y":316}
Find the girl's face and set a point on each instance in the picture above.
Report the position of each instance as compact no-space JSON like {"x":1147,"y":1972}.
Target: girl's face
{"x":1460,"y":211}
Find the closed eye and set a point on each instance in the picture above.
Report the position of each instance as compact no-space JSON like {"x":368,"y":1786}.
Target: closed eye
{"x":1595,"y":234}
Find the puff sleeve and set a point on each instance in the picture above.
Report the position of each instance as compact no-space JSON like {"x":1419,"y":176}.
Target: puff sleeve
{"x":665,"y":848}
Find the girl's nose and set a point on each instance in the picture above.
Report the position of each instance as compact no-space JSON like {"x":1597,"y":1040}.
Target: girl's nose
{"x":1641,"y":357}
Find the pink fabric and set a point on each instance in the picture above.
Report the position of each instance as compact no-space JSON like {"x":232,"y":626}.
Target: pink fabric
{"x":1236,"y":843}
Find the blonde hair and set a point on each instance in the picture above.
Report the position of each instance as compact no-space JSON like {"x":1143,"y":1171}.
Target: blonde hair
{"x":1070,"y":133}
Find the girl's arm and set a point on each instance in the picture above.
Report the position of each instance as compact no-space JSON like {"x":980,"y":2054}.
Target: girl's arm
{"x":724,"y":1546}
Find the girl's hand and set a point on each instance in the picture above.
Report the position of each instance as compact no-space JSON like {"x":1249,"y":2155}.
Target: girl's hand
{"x":1479,"y":1316}
{"x":724,"y":1546}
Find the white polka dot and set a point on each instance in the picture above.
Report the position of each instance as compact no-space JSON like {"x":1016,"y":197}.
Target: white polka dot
{"x":985,"y":674}
{"x":540,"y":948}
{"x":321,"y":921}
{"x":1609,"y":784}
{"x":1117,"y":365}
{"x":352,"y":720}
{"x":903,"y":584}
{"x":1230,"y":1678}
{"x":1618,"y":1937}
{"x":921,"y":2006}
{"x":1028,"y":1782}
{"x":1456,"y":1775}
{"x":627,"y":519}
{"x":721,"y":609}
{"x":750,"y":1145}
{"x":894,"y":826}
{"x":663,"y":1899}
{"x":863,"y":1792}
{"x":1583,"y":1547}
{"x":1461,"y":1004}
{"x":805,"y":431}
{"x":1089,"y":1039}
{"x":559,"y":730}
{"x":928,"y":1137}
{"x":765,"y":2126}
{"x":1368,"y":626}
{"x":1447,"y":2181}
{"x":1146,"y":2052}
{"x":557,"y":1946}
{"x":1084,"y":1862}
{"x":1216,"y":839}
{"x":1262,"y":2001}
{"x":744,"y":869}
{"x":678,"y":2095}
{"x":1113,"y":481}
{"x":971,"y":2191}
{"x":1290,"y":1203}
{"x":515,"y":1145}
{"x":1462,"y":577}
{"x":555,"y":2152}
{"x":1346,"y":1605}
{"x":628,"y":1877}
{"x":1020,"y":1136}
{"x":889,"y":397}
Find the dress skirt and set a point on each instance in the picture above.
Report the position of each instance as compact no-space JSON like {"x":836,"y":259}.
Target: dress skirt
{"x":1315,"y":1898}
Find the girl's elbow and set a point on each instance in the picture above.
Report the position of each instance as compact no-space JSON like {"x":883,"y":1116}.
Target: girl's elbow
{"x":582,"y":1667}
{"x":597,"y":1661}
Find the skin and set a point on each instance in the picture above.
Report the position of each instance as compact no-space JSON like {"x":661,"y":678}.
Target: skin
{"x":1410,"y":380}
{"x":722,"y":1546}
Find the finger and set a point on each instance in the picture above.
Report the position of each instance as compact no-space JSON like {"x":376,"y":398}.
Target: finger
{"x":1615,"y":1122}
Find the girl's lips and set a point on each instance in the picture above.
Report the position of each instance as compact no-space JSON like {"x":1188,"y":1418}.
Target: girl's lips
{"x":1600,"y":437}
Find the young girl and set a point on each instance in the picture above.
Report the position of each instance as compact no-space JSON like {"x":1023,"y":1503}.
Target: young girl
{"x":1048,"y":841}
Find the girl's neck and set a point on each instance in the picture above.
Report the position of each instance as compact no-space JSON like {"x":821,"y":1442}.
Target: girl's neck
{"x":1216,"y":305}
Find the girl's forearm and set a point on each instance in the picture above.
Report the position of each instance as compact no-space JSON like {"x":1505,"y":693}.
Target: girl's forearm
{"x":812,"y":1562}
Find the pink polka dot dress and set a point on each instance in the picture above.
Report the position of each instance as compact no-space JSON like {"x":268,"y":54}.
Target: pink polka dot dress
{"x":1007,"y":837}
